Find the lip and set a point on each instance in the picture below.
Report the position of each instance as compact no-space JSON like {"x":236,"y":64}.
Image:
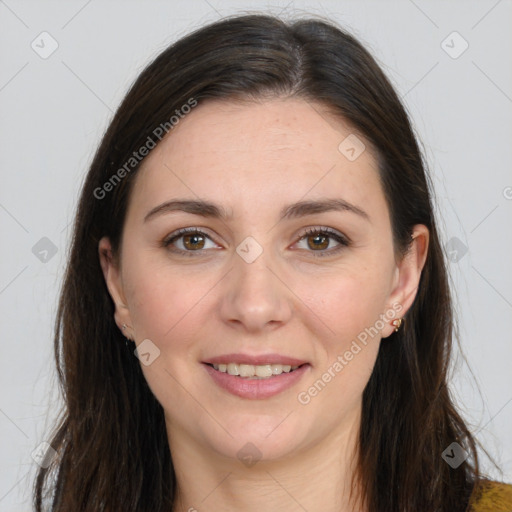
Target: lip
{"x":255,"y":360}
{"x":257,"y":389}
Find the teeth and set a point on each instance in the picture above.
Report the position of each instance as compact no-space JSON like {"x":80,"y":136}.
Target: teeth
{"x":232,"y":369}
{"x":263,"y":371}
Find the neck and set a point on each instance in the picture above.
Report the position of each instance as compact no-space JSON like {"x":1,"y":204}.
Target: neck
{"x":316,"y":478}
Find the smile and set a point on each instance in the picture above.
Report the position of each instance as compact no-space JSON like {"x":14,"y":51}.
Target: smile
{"x":255,"y":382}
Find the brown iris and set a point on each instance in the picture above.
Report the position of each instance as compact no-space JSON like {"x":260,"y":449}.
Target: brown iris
{"x":316,"y":245}
{"x":195,"y":237}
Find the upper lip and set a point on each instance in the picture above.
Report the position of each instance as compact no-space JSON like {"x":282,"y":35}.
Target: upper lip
{"x":254,"y":360}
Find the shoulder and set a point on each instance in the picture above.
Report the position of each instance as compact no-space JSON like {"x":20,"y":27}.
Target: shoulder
{"x":491,"y":496}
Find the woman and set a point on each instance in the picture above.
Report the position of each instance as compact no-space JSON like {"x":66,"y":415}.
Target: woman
{"x":256,"y":311}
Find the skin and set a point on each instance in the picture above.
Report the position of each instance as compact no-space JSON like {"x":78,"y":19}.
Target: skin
{"x":253,"y":158}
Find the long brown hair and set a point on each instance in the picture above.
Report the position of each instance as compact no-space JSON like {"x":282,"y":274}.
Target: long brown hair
{"x":111,"y":441}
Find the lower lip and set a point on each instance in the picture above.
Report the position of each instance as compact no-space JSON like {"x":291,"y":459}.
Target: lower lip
{"x":256,"y":389}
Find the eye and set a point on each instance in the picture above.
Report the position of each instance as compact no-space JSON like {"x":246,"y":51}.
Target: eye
{"x":318,"y":239}
{"x":193,"y":241}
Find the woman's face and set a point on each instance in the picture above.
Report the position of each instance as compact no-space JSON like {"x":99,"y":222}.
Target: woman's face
{"x":255,"y":286}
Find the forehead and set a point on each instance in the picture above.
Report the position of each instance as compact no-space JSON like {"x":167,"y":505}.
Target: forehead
{"x":252,"y":154}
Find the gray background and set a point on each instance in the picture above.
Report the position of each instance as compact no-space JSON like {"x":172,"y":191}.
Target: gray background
{"x":54,"y":110}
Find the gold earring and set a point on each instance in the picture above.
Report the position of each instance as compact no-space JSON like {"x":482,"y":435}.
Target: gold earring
{"x":397,"y":323}
{"x":124,"y":333}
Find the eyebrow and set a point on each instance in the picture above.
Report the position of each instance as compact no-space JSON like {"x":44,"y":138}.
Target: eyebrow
{"x":300,"y":209}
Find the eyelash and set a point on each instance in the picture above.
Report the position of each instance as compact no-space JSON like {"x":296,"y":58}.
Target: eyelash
{"x":343,"y":241}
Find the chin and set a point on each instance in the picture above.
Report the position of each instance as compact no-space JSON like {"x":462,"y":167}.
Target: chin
{"x":265,"y":437}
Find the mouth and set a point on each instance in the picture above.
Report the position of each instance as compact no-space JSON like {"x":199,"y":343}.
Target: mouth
{"x":255,"y":382}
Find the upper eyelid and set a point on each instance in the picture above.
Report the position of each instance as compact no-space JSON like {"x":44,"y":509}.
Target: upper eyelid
{"x":327,"y":230}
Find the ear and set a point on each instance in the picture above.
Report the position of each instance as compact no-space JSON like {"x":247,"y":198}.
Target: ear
{"x":407,"y":277}
{"x":112,"y":275}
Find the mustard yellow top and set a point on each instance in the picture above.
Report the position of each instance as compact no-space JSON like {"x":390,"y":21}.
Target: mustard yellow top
{"x":492,"y":497}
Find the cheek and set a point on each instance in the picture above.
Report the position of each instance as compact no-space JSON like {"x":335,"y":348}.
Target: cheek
{"x":350,"y":300}
{"x":347,"y":357}
{"x":161,"y":300}
{"x":161,"y":308}
{"x":351,"y":303}
{"x":165,"y":308}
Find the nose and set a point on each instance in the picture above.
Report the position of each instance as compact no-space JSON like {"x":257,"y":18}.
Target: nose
{"x":256,"y":297}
